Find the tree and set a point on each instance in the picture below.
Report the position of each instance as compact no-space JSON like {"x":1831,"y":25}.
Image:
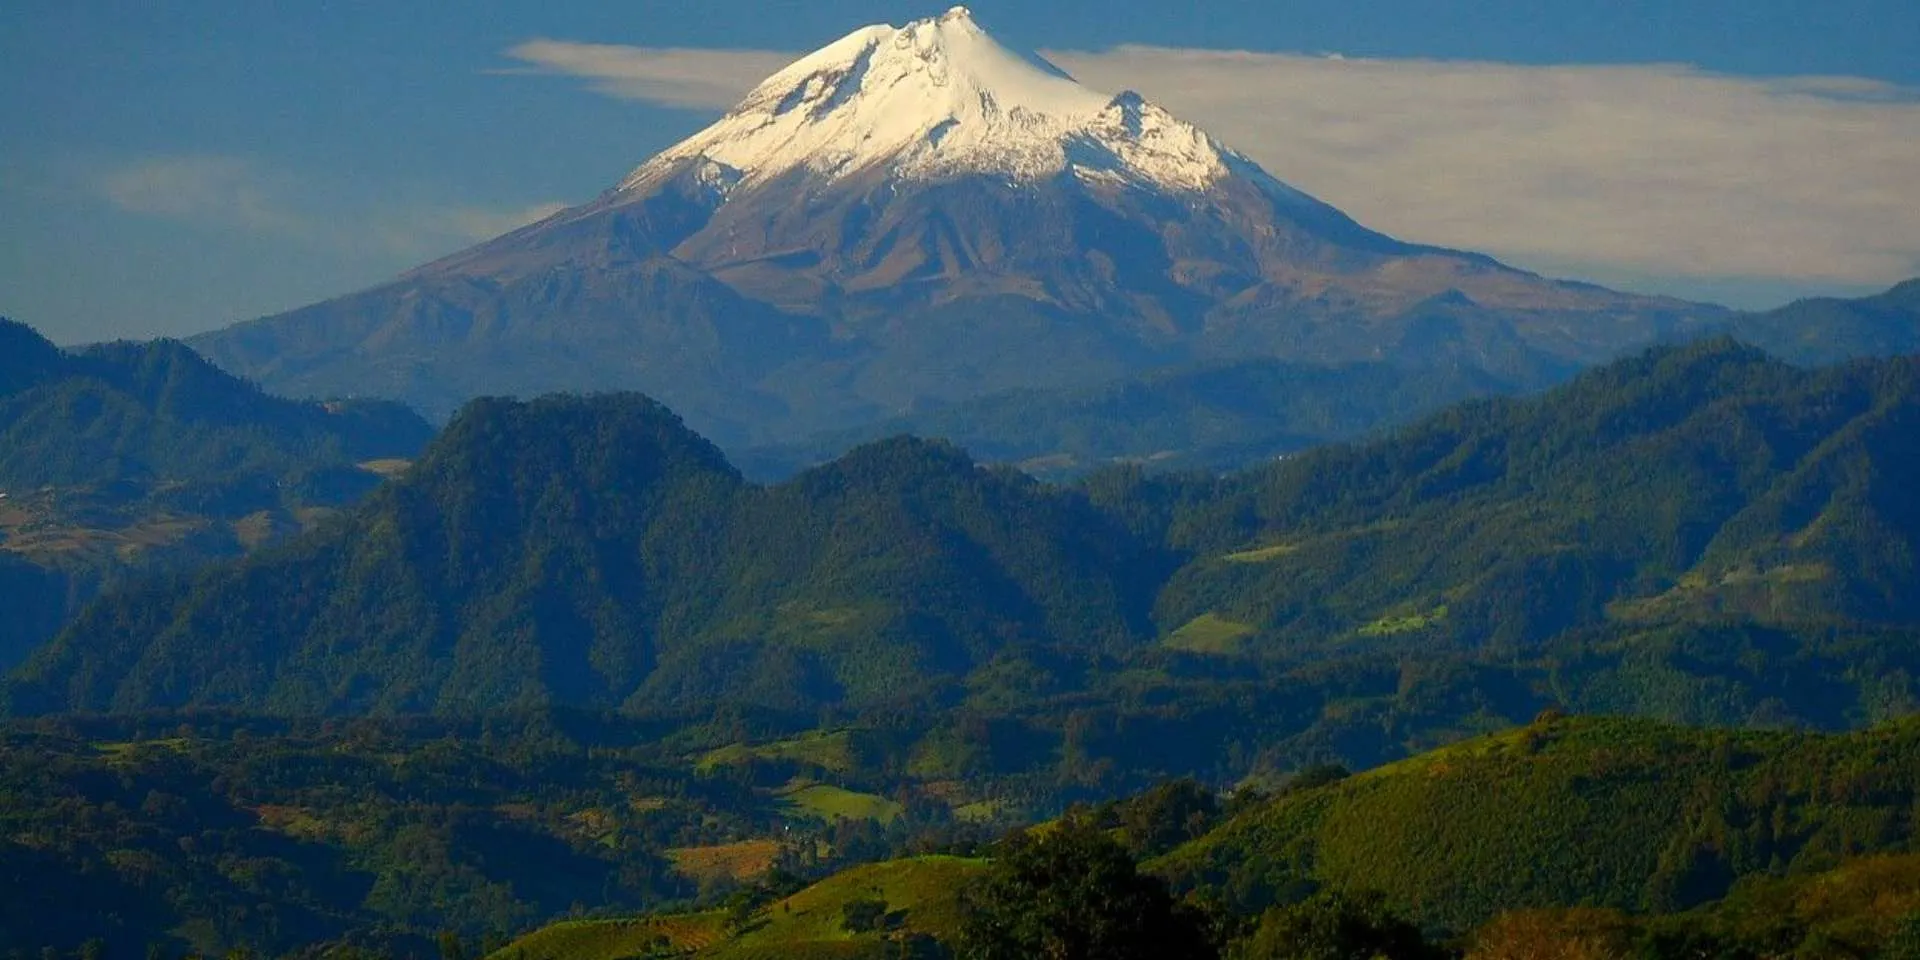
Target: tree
{"x":743,"y":907}
{"x":1318,"y":775}
{"x":1904,"y":943}
{"x":863,"y":915}
{"x":1167,"y":816}
{"x":1073,"y":893}
{"x":1335,"y":926}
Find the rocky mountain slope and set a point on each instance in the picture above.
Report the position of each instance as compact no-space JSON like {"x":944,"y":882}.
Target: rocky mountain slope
{"x":918,"y":215}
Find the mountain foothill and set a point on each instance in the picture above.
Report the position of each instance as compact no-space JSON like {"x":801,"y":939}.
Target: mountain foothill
{"x":126,"y":459}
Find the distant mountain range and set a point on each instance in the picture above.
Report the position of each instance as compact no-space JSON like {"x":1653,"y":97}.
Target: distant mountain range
{"x":1216,"y":417}
{"x":157,"y":412}
{"x":1826,"y":330}
{"x":914,"y":217}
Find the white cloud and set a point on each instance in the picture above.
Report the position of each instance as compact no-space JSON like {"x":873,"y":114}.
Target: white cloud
{"x":1653,"y":170}
{"x":674,"y":77}
{"x":1656,"y":168}
{"x":207,"y":188}
{"x":236,"y":193}
{"x":427,"y":232}
{"x":481,"y":223}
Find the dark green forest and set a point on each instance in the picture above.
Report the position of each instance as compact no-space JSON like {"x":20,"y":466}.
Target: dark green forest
{"x":1700,"y":533}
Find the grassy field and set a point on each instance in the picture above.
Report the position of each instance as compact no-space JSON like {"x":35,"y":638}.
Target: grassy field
{"x":1262,"y":554}
{"x":1742,"y":591}
{"x":744,"y":860}
{"x":826,"y":749}
{"x":827,"y":802}
{"x":386,"y":469}
{"x":921,"y":894}
{"x":1210,"y":633}
{"x":87,"y":525}
{"x":1392,"y":625}
{"x":981,"y":811}
{"x":665,"y":936}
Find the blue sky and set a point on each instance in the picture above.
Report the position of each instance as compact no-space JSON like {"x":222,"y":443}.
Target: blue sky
{"x":171,"y":170}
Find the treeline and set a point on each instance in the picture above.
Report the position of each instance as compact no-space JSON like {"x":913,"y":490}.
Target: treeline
{"x":1073,"y":891}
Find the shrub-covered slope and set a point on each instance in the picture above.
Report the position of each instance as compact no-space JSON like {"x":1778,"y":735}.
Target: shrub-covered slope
{"x":1705,"y":481}
{"x":1629,"y":814}
{"x":210,"y":834}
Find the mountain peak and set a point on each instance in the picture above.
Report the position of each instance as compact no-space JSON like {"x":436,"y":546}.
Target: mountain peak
{"x":936,"y":99}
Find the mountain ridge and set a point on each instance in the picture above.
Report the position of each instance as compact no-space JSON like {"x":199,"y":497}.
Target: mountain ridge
{"x":132,"y":458}
{"x":784,"y":273}
{"x":1704,"y":499}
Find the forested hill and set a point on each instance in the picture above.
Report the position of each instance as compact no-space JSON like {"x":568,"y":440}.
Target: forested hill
{"x":1699,"y":482}
{"x":123,"y":459}
{"x":594,"y":552}
{"x":1670,"y":534}
{"x":158,"y":412}
{"x":1602,"y":812}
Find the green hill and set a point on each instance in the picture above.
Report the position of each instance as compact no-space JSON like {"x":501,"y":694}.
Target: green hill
{"x":157,"y":412}
{"x":918,"y":896}
{"x":1620,"y":813}
{"x":1639,"y":837}
{"x":1706,"y":482}
{"x":593,"y":552}
{"x":122,"y":460}
{"x":1860,"y":908}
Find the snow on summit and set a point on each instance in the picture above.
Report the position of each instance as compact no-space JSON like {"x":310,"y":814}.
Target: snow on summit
{"x":939,"y":98}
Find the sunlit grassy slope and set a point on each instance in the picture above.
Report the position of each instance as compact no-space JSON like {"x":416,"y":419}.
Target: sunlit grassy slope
{"x":921,"y":894}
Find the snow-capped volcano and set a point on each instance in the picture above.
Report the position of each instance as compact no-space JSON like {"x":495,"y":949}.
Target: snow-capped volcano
{"x":937,"y":98}
{"x":913,"y":216}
